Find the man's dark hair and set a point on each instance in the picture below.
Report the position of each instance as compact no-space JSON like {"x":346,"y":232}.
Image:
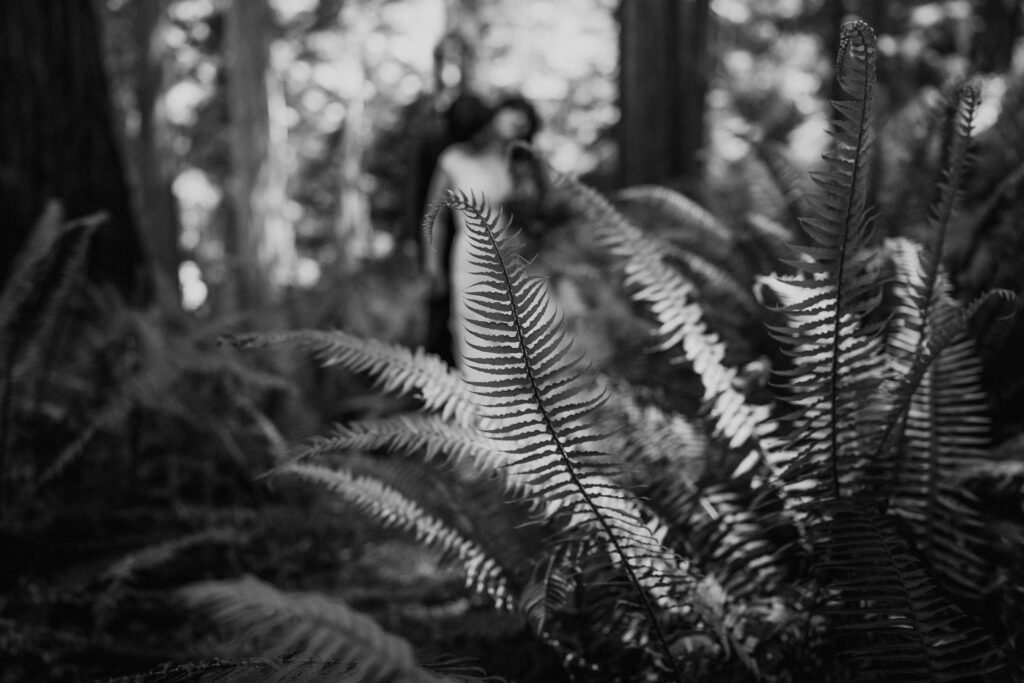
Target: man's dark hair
{"x":466,"y":116}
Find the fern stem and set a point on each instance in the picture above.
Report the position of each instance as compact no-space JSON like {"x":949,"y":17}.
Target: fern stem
{"x":850,"y":215}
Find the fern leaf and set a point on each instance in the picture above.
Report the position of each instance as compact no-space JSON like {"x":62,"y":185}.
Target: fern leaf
{"x":950,"y":189}
{"x":387,"y":506}
{"x":426,"y":434}
{"x":394,"y":368}
{"x":160,"y":553}
{"x":538,"y":403}
{"x":409,"y":434}
{"x":788,"y":180}
{"x":319,"y":636}
{"x":673,"y":301}
{"x":891,"y":621}
{"x":939,"y":425}
{"x":696,"y":227}
{"x":836,"y":355}
{"x":44,"y":273}
{"x":663,"y":444}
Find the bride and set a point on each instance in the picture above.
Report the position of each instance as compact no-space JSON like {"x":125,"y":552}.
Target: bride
{"x":479,"y":166}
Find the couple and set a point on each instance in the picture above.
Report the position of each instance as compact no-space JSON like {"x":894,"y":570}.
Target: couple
{"x":480,"y":165}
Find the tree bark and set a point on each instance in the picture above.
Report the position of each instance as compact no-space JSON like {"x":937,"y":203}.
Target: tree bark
{"x":57,"y":139}
{"x":260,"y":242}
{"x":663,"y":81}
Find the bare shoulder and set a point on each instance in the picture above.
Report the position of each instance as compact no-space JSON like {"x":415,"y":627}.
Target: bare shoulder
{"x":454,"y":156}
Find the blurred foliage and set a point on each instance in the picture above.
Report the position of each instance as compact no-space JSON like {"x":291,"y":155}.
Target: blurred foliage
{"x":364,"y":69}
{"x":132,"y":442}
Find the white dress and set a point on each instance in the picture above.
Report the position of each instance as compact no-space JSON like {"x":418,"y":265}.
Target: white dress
{"x":482,"y":175}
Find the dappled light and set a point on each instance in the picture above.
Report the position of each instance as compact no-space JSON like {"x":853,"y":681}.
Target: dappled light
{"x":511,"y":340}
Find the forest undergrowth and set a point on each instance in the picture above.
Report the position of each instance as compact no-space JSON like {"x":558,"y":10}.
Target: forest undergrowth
{"x":782,"y":445}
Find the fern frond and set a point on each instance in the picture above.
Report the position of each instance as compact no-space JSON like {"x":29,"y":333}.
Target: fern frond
{"x":694,"y":226}
{"x":938,"y":426}
{"x":411,"y":433}
{"x":891,"y":621}
{"x":661,"y":443}
{"x":395,"y":369}
{"x":538,"y":403}
{"x":950,"y":190}
{"x":673,"y":301}
{"x":430,"y":435}
{"x":44,"y":272}
{"x":788,"y":180}
{"x":310,"y":633}
{"x":160,"y":553}
{"x":837,"y":359}
{"x":713,"y":282}
{"x":770,"y":237}
{"x":385,"y":505}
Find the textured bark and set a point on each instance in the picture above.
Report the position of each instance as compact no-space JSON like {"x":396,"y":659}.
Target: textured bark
{"x":663,"y":74}
{"x":57,"y":138}
{"x":260,"y":243}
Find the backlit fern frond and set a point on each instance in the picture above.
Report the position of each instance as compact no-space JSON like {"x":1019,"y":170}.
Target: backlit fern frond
{"x":834,"y":346}
{"x":538,"y":403}
{"x":383,"y":504}
{"x":395,"y":369}
{"x":672,"y":300}
{"x":304,"y":636}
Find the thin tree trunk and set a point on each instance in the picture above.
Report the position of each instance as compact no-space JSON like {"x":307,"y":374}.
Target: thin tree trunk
{"x":352,"y":228}
{"x":57,"y":139}
{"x":154,"y":158}
{"x":663,"y":80}
{"x":260,"y":242}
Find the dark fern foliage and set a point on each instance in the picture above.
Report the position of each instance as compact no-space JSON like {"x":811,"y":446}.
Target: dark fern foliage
{"x":835,"y":530}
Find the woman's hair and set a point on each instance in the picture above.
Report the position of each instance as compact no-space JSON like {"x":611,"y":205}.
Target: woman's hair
{"x":520,"y":103}
{"x":466,"y":117}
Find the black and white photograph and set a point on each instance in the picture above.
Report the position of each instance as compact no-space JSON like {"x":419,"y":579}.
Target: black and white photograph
{"x":511,"y":341}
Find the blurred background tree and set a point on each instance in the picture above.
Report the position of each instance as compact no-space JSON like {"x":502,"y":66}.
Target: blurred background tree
{"x":264,"y":163}
{"x":58,"y":139}
{"x":269,"y":143}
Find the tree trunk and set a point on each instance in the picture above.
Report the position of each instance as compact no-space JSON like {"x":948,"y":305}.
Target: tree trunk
{"x":996,"y":35}
{"x":260,"y":242}
{"x":663,"y":80}
{"x":154,"y":157}
{"x":352,"y":228}
{"x":57,"y":139}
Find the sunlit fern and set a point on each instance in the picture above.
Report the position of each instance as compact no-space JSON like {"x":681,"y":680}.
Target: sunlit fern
{"x":822,"y":536}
